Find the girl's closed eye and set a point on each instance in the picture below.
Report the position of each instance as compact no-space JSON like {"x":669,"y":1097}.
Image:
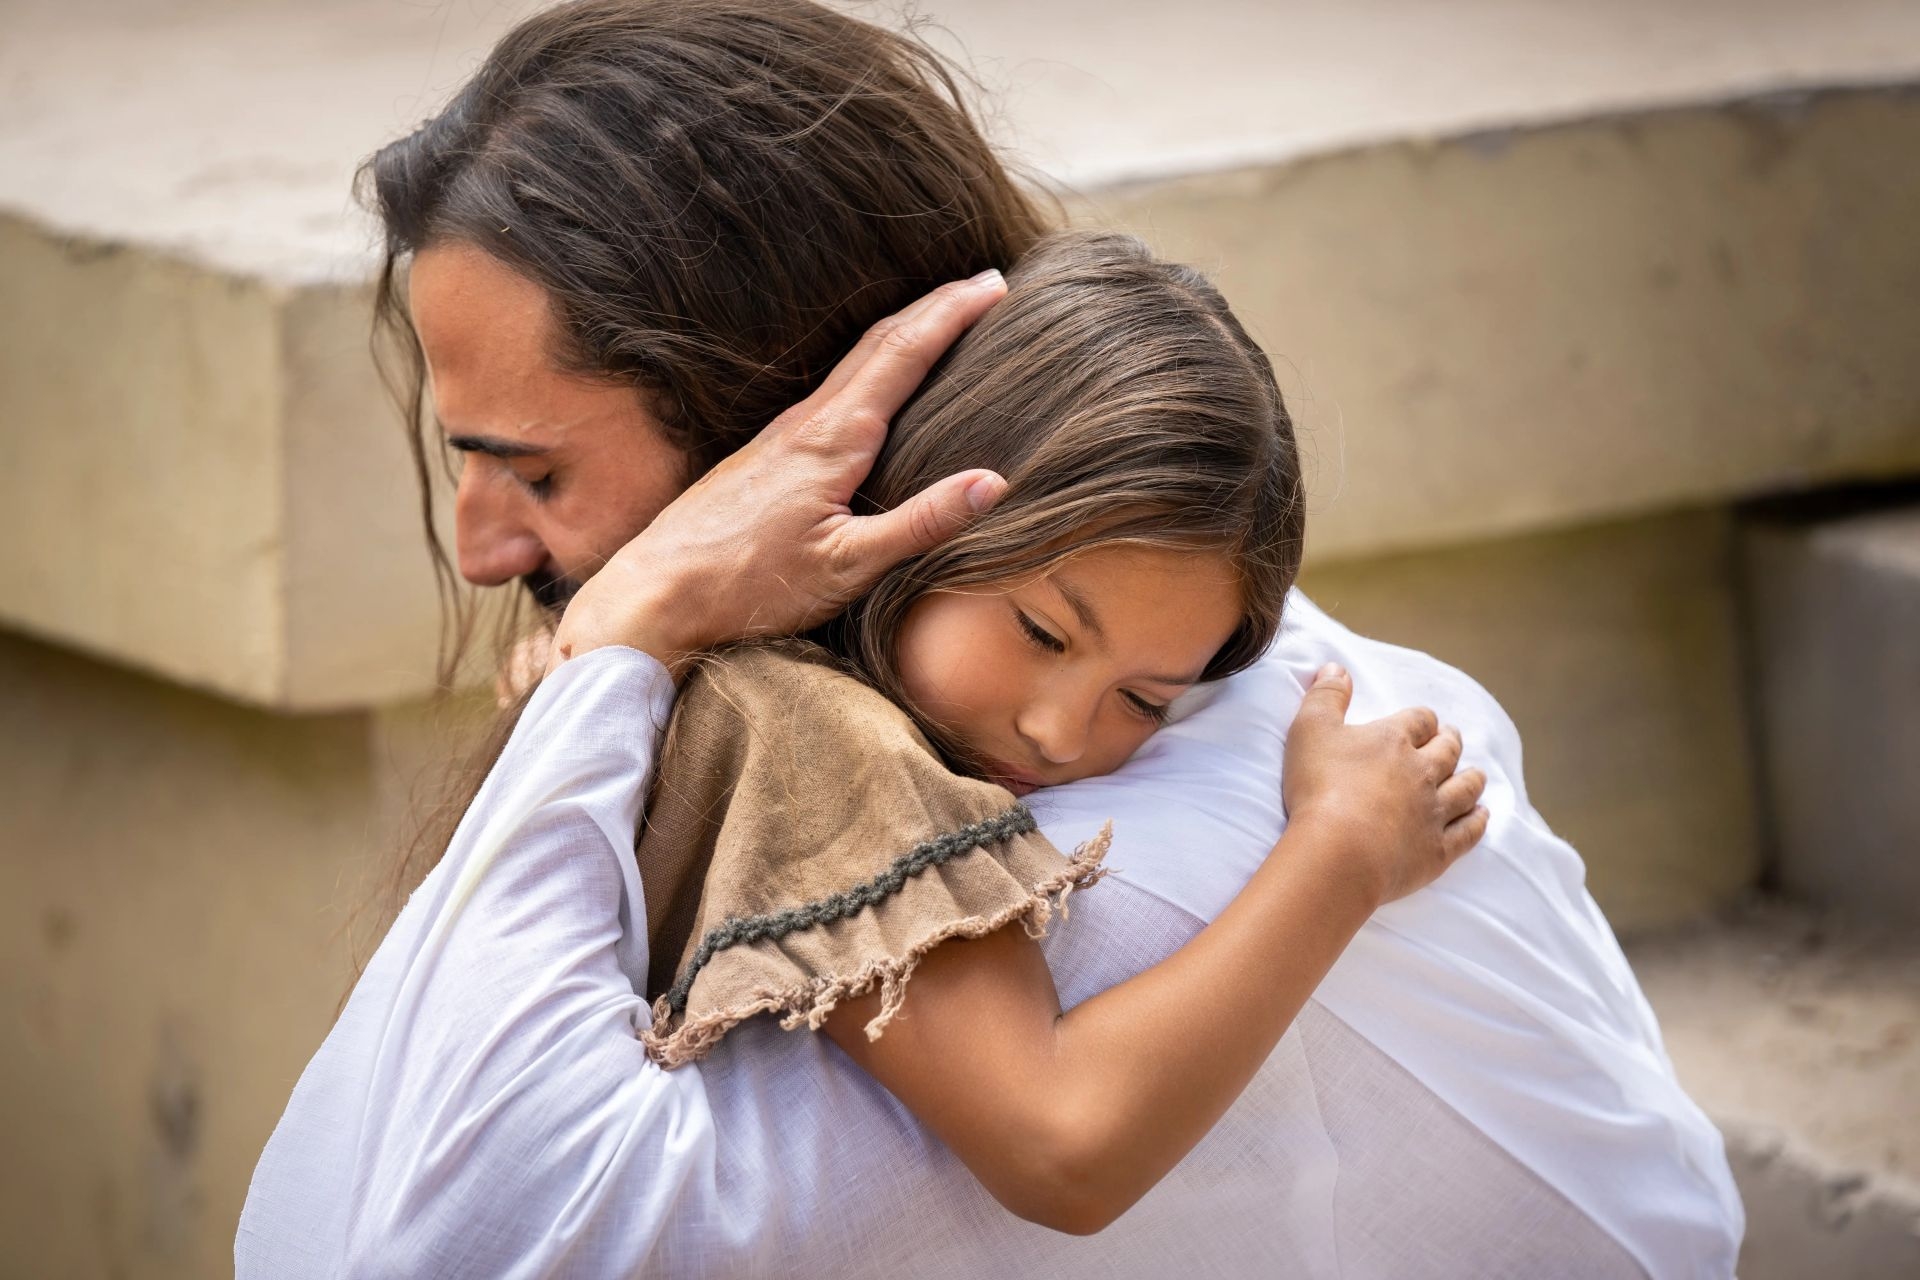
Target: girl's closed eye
{"x":1037,"y":635}
{"x":1154,"y":713}
{"x":539,"y":488}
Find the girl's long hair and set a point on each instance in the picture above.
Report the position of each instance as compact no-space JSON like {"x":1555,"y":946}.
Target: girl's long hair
{"x":1124,"y":403}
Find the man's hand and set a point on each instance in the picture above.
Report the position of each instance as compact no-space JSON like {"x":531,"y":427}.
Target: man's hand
{"x":765,"y":543}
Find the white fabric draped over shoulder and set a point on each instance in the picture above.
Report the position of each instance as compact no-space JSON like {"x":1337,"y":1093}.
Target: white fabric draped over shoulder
{"x":1478,"y":1088}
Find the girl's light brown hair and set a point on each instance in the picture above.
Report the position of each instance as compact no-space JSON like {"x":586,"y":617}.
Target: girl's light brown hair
{"x":1124,"y":403}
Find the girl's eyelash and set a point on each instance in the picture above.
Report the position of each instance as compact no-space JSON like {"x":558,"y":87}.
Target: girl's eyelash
{"x":541,"y":489}
{"x":1154,"y":712}
{"x":1039,"y":635}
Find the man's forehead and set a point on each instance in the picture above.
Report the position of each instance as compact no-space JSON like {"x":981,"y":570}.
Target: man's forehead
{"x":479,"y":322}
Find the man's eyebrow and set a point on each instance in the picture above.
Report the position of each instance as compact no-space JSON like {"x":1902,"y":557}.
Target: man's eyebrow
{"x":1083,"y":609}
{"x":494,"y":446}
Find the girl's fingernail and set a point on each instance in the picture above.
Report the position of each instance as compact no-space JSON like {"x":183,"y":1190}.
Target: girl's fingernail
{"x":991,"y":276}
{"x":1329,"y":671}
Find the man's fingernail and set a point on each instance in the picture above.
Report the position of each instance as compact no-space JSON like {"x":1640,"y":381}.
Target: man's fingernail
{"x":1329,"y":671}
{"x":991,"y":276}
{"x":982,"y":493}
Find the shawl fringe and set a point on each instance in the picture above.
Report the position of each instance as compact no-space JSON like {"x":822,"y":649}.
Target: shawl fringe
{"x":809,"y":1003}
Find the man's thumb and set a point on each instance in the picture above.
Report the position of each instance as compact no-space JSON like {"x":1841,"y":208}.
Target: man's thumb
{"x":930,"y":517}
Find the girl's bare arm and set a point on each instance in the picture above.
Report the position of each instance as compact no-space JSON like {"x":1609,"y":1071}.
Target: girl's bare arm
{"x":1067,"y":1119}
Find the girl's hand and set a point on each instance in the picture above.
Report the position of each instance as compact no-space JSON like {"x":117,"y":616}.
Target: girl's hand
{"x":1383,"y":798}
{"x":765,"y":543}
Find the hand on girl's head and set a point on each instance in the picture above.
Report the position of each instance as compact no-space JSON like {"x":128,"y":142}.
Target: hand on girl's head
{"x":1388,"y":798}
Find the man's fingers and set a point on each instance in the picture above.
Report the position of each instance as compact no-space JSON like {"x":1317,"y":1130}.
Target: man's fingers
{"x":873,"y":544}
{"x":863,"y":350}
{"x":1463,"y":833}
{"x":887,"y":366}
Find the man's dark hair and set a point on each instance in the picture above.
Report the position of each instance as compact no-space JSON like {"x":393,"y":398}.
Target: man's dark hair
{"x":718,"y":197}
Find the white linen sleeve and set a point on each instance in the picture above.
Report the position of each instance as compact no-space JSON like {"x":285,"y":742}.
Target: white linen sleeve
{"x":482,"y":1106}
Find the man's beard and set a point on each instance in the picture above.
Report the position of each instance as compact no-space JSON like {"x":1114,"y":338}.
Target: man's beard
{"x":552,"y":590}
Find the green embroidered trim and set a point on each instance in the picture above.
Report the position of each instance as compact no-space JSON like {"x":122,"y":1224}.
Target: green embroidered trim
{"x":1017,"y":821}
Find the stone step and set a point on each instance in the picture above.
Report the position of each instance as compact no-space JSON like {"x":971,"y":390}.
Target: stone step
{"x":1833,"y":618}
{"x":1521,"y":276}
{"x":1800,"y":1036}
{"x":1616,"y":650}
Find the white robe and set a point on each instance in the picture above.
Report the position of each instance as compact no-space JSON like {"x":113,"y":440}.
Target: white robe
{"x":1478,"y":1089}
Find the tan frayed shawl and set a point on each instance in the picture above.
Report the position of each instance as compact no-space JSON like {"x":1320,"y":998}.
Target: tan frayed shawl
{"x":804,"y":845}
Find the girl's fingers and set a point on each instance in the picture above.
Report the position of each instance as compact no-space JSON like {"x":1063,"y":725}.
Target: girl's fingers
{"x":1461,"y":792}
{"x":1418,"y":723}
{"x":1442,"y":753}
{"x":1464,"y":832}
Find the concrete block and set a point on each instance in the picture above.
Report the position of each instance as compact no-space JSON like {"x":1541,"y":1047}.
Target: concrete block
{"x":211,"y":483}
{"x":174,"y":875}
{"x":1526,"y":329}
{"x":1834,"y":619}
{"x":1505,"y":299}
{"x":1615,"y":649}
{"x":1484,"y":336}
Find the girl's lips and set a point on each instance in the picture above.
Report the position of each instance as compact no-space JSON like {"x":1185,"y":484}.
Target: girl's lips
{"x":1018,"y":781}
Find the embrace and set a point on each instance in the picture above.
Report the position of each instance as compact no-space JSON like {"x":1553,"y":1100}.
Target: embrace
{"x":893,"y":601}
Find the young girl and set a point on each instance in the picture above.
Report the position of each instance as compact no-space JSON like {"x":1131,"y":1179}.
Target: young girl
{"x":832,"y":817}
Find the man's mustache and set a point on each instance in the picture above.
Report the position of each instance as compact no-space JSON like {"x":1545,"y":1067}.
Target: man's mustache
{"x":553,"y":591}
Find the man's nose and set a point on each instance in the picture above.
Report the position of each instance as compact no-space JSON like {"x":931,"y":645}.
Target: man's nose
{"x":1057,"y":727}
{"x":493,"y":542}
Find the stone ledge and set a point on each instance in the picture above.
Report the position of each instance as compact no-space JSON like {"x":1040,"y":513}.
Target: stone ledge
{"x":1485,"y":337}
{"x":210,"y":481}
{"x":1511,"y":331}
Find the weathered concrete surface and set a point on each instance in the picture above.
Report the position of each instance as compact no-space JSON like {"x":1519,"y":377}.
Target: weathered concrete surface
{"x":1616,"y":651}
{"x":1486,"y":334}
{"x":1517,"y":331}
{"x":1590,"y":322}
{"x":188,"y":126}
{"x":1801,"y":1038}
{"x":173,"y":870}
{"x":1833,"y":602}
{"x":175,"y":876}
{"x":209,"y":481}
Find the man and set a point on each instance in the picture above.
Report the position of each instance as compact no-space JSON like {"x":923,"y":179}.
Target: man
{"x":638,"y":235}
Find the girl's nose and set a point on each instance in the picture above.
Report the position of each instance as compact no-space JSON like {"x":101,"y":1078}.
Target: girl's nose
{"x":493,"y":543}
{"x":1056,"y":728}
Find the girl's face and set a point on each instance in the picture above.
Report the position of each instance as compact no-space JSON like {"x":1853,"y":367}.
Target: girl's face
{"x":1064,"y":675}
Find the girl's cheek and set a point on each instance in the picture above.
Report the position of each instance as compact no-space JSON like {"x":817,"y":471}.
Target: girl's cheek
{"x":938,"y":658}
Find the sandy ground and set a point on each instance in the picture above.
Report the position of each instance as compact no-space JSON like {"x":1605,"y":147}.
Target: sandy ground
{"x":1782,"y":1020}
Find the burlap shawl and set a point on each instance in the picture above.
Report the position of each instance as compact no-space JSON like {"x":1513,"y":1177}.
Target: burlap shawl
{"x":803,"y":845}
